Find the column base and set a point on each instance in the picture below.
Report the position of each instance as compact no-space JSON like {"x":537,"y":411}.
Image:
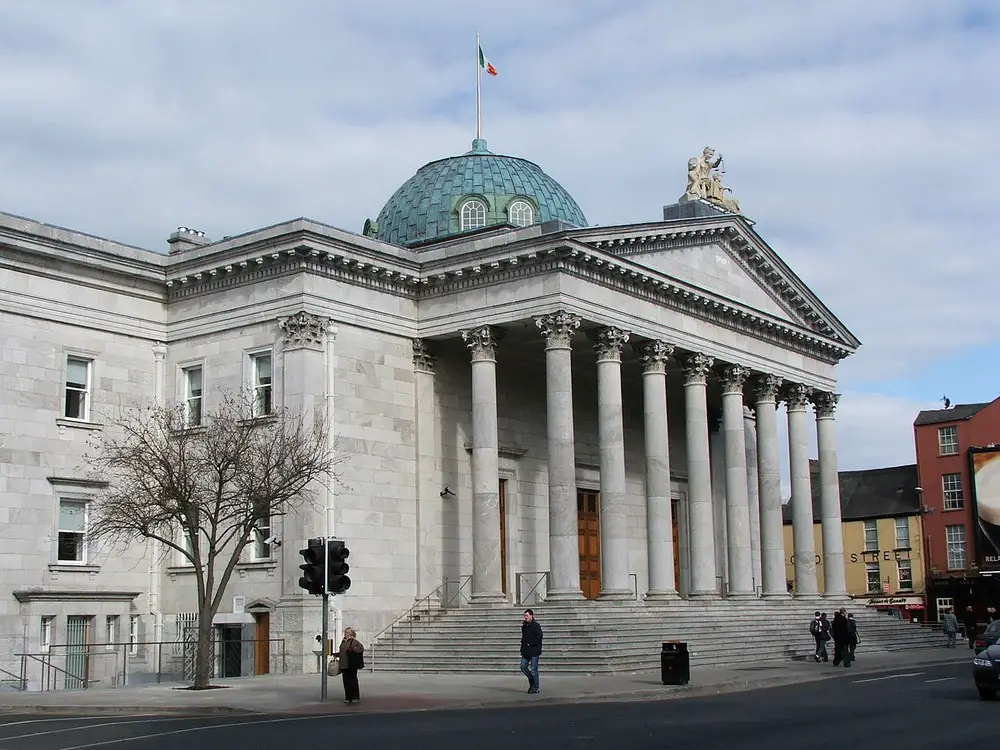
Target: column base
{"x":841,"y":595}
{"x":776,"y":595}
{"x":488,"y":600}
{"x":662,"y":596}
{"x":809,"y":596}
{"x":617,"y":595}
{"x":704,"y":595}
{"x":564,"y":595}
{"x":743,"y":595}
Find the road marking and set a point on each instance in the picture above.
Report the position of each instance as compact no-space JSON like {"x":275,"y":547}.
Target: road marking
{"x":203,"y":728}
{"x":37,"y":721}
{"x":94,"y":726}
{"x":889,"y":677}
{"x":942,"y":679}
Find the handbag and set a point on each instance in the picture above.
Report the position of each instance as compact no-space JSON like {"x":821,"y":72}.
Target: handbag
{"x":333,"y":666}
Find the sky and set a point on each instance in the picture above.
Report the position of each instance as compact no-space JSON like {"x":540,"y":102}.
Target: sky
{"x":859,"y":135}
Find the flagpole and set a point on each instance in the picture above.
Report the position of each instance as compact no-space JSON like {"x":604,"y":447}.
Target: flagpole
{"x":479,"y":90}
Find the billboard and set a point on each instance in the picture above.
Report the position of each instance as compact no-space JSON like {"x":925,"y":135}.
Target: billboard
{"x":984,"y":467}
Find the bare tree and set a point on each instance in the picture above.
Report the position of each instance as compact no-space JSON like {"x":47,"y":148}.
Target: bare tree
{"x":203,"y":491}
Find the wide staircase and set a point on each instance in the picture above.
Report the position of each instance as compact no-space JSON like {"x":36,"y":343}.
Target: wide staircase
{"x":590,"y":637}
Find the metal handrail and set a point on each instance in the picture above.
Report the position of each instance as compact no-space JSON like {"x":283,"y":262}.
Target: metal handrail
{"x":409,"y":613}
{"x":46,"y":661}
{"x":18,"y":678}
{"x":543,"y":575}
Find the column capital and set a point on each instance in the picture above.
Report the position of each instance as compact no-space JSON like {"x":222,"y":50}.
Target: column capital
{"x":696,"y":368}
{"x":654,"y":356}
{"x":825,"y":403}
{"x":766,"y":388}
{"x":482,"y":343}
{"x":733,"y":378}
{"x":610,"y":342}
{"x":423,"y":356}
{"x":159,"y":351}
{"x":796,"y":395}
{"x":303,"y":329}
{"x":558,"y":328}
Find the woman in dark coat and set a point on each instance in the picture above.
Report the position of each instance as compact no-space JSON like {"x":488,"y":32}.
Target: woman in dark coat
{"x":351,"y":659}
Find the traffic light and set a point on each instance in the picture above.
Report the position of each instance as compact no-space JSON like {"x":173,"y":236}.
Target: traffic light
{"x":313,"y":571}
{"x":338,"y":581}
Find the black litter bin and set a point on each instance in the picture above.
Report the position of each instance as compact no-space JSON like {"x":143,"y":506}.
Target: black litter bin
{"x":675,"y":663}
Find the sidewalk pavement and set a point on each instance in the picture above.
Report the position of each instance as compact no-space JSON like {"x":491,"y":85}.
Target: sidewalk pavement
{"x":396,"y":692}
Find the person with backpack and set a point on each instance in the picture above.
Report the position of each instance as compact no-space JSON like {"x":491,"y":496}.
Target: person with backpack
{"x":820,"y":630}
{"x":853,"y":639}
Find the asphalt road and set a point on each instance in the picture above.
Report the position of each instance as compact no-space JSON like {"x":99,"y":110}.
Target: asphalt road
{"x":929,"y":707}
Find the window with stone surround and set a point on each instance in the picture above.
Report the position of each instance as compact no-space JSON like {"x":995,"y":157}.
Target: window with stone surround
{"x":193,"y":377}
{"x":871,"y":536}
{"x":133,"y":634}
{"x":260,"y":547}
{"x":520,"y":213}
{"x":874,"y":577}
{"x":261,"y":383}
{"x":951,"y":485}
{"x":79,"y":373}
{"x":473,"y":215}
{"x":72,"y":538}
{"x":112,"y":623}
{"x":902,"y":533}
{"x":904,"y":570}
{"x":955,"y":537}
{"x":948,"y":440}
{"x":45,"y":636}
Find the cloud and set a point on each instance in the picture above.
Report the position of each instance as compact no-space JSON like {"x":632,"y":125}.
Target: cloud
{"x":858,"y":135}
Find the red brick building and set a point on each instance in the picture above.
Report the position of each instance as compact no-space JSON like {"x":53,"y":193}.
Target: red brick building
{"x":945,"y":441}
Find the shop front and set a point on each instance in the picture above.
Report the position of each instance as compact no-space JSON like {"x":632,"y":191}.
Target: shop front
{"x":911,"y":608}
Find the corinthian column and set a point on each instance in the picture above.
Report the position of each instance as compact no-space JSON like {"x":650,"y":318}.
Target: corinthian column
{"x":772,"y":543}
{"x":796,"y":398}
{"x":737,"y":504}
{"x":699,"y":499}
{"x":834,"y":575}
{"x":659,"y":521}
{"x":486,"y":588}
{"x":611,"y":429}
{"x":564,"y":534}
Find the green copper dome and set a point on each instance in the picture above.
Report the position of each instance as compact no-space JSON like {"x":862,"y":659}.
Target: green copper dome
{"x":475,"y":190}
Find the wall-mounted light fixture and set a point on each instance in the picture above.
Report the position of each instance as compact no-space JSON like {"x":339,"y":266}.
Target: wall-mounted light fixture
{"x":446,"y":491}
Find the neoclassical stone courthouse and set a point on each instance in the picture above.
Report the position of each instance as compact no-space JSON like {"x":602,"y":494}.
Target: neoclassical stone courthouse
{"x":516,"y":396}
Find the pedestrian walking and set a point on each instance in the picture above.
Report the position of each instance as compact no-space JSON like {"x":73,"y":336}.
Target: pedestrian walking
{"x":853,"y":639}
{"x":949,"y":626}
{"x":531,"y":649}
{"x":820,"y":629}
{"x":351,"y":659}
{"x":841,"y":638}
{"x":971,"y":625}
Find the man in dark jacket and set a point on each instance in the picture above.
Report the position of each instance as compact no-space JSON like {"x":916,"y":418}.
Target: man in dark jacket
{"x":971,"y":623}
{"x":841,"y":638}
{"x":531,"y":649}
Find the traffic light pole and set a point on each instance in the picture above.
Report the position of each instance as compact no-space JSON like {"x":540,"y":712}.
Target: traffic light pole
{"x":326,"y":640}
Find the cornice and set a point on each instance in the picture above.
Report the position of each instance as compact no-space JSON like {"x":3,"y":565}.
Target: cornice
{"x":42,"y":595}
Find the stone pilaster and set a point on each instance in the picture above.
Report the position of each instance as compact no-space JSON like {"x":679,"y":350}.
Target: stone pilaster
{"x":704,"y":583}
{"x":772,"y":543}
{"x":796,"y":399}
{"x":834,"y":574}
{"x":486,"y":583}
{"x":659,"y":514}
{"x":611,"y":428}
{"x":430,"y":562}
{"x":301,"y":348}
{"x":564,"y":554}
{"x":739,"y":558}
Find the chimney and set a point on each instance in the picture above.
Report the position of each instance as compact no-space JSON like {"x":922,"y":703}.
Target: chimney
{"x":186,"y":239}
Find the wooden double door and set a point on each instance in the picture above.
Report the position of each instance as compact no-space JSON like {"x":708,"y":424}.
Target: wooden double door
{"x":588,"y":510}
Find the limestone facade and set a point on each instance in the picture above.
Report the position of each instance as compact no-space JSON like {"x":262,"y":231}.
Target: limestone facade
{"x":492,"y":395}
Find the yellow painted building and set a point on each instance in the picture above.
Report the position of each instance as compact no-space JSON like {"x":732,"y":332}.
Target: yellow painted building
{"x":883,"y":539}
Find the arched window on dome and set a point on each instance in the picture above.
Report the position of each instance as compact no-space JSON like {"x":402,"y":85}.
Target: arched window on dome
{"x":473,"y":215}
{"x":521,"y":214}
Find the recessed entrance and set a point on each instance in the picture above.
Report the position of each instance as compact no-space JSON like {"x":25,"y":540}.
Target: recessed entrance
{"x":262,"y":643}
{"x":503,"y":535}
{"x":588,"y":509}
{"x":677,"y":543}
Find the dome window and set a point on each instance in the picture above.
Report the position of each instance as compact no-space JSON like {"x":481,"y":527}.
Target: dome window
{"x":521,"y":214}
{"x":473,"y":215}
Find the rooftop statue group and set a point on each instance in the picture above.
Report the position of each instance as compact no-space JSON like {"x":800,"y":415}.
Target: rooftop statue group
{"x":705,"y":181}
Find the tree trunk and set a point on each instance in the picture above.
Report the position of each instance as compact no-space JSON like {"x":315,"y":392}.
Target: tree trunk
{"x":204,"y":655}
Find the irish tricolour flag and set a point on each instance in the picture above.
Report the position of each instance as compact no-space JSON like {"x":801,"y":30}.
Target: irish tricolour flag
{"x":486,"y":64}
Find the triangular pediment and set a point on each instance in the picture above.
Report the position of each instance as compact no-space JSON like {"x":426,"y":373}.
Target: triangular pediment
{"x":722,"y":257}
